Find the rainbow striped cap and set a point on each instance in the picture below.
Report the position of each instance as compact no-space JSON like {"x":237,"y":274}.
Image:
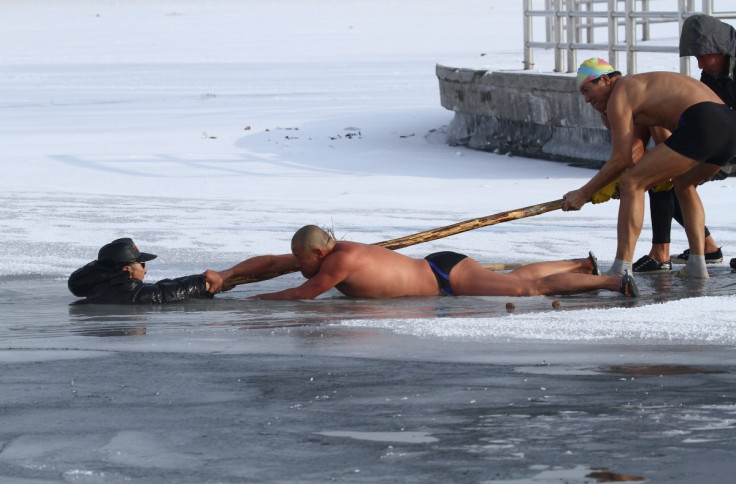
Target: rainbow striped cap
{"x":591,"y":69}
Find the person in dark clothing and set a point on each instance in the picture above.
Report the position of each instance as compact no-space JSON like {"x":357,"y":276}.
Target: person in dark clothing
{"x":116,"y":277}
{"x":713,"y":44}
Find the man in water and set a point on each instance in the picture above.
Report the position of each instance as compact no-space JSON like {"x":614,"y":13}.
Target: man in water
{"x":116,"y":277}
{"x":703,"y":140}
{"x":363,"y":270}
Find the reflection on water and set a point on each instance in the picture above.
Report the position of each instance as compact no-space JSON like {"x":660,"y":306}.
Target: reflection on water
{"x":107,"y":331}
{"x":252,"y":314}
{"x":232,"y":312}
{"x":40,"y":307}
{"x":669,"y":287}
{"x":656,"y":370}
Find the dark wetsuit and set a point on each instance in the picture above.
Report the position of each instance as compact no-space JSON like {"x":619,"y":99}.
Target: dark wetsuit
{"x":706,"y":133}
{"x":664,"y":206}
{"x":441,"y":264}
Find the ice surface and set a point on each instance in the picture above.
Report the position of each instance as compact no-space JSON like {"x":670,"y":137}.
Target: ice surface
{"x":209,"y":131}
{"x":701,"y":322}
{"x":404,"y":437}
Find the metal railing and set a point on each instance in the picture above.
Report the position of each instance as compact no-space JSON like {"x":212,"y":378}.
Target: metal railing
{"x":567,"y":21}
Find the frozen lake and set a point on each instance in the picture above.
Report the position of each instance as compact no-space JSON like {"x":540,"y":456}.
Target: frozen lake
{"x":209,"y":132}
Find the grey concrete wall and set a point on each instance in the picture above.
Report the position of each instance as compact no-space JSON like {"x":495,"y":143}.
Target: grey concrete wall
{"x":524,"y":113}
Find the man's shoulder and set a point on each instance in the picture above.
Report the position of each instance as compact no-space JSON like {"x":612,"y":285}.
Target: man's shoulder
{"x":118,"y":290}
{"x":635,"y":81}
{"x":645,"y":80}
{"x":351,"y":255}
{"x":623,"y":85}
{"x":345,"y":251}
{"x":347,"y":247}
{"x":637,"y":90}
{"x":92,"y":276}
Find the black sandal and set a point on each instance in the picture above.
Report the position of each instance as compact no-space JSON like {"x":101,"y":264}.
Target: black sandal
{"x":594,"y":260}
{"x":627,"y":281}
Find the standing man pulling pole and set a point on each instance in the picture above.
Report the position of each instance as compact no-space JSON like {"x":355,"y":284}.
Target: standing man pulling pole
{"x":703,"y":140}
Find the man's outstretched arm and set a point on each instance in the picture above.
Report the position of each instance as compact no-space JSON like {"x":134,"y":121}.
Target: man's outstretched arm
{"x":255,"y":266}
{"x":621,"y":124}
{"x":333,"y":271}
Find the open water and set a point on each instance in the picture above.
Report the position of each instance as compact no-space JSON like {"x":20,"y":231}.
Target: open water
{"x":345,"y":390}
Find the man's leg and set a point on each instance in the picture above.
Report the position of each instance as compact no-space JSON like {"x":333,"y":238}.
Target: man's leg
{"x":468,"y":278}
{"x":710,"y":244}
{"x":659,"y":164}
{"x":628,"y":228}
{"x":661,"y":210}
{"x":576,"y":283}
{"x":693,"y":215}
{"x":543,"y":269}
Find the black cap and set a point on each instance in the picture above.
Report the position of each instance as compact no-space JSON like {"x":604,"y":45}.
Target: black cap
{"x":122,"y":252}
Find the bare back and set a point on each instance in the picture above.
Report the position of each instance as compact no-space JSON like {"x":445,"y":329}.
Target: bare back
{"x":656,"y":98}
{"x":374,"y":271}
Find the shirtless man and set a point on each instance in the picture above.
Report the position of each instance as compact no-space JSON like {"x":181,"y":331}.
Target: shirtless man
{"x":363,"y":270}
{"x":703,"y":140}
{"x":658,"y":260}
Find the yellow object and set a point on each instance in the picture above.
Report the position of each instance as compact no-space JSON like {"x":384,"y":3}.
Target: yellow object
{"x":605,"y":193}
{"x":664,"y":186}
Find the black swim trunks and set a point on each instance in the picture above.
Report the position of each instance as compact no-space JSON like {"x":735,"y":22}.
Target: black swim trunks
{"x":706,"y":133}
{"x":441,"y":264}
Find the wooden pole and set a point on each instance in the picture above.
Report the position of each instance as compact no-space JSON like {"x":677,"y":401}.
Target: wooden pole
{"x":438,"y":233}
{"x":473,"y":224}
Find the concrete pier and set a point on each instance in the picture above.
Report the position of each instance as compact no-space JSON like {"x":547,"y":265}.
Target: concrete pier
{"x":525,"y":113}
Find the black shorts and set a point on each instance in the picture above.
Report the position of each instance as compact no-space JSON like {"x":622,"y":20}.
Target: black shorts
{"x":441,"y":264}
{"x":706,"y":133}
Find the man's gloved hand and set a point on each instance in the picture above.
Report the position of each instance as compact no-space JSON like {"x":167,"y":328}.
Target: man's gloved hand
{"x":663,"y":186}
{"x":605,"y":193}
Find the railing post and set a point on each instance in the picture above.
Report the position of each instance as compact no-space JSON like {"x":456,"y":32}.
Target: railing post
{"x":549,"y":22}
{"x":645,"y":22}
{"x":612,"y":33}
{"x":630,"y":28}
{"x":559,"y":58}
{"x":707,"y":7}
{"x":590,"y":31}
{"x":681,"y":9}
{"x":572,"y":37}
{"x":528,"y":52}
